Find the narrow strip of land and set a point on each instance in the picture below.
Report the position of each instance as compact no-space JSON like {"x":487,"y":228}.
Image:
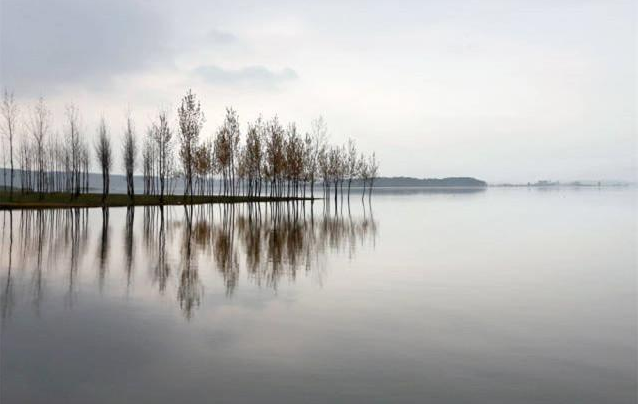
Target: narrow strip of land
{"x":67,"y":200}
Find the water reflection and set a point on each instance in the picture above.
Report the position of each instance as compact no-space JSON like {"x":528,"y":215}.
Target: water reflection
{"x":7,"y":298}
{"x":104,"y":247}
{"x":406,"y":191}
{"x":262,"y":243}
{"x":129,"y":242}
{"x":75,"y":227}
{"x":190,"y":288}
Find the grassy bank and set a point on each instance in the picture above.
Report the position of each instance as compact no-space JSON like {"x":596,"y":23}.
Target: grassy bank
{"x":66,"y":200}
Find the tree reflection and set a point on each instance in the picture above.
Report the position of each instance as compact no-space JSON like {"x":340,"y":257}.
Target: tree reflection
{"x":35,"y":241}
{"x":75,"y":230}
{"x":190,"y":288}
{"x":269,"y":243}
{"x":129,"y":243}
{"x":155,"y":242}
{"x":224,"y":251}
{"x":104,"y":247}
{"x":37,"y":273}
{"x":7,"y":298}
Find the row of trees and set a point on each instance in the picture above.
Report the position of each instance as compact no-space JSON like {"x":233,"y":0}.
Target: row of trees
{"x":47,"y":162}
{"x":269,"y":159}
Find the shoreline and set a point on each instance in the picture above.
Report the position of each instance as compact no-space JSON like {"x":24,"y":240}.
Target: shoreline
{"x":92,"y":200}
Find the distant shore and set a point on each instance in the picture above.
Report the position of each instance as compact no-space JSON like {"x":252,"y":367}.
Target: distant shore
{"x":93,"y":200}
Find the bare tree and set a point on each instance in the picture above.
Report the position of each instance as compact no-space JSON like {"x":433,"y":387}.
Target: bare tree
{"x":231,"y":123}
{"x":222,"y":151}
{"x":39,"y":126}
{"x":373,"y":171}
{"x":351,"y":163}
{"x":319,"y":139}
{"x":191,"y":120}
{"x":75,"y":153}
{"x":293,"y":165}
{"x":343,"y":167}
{"x":25,"y":162}
{"x":85,"y":162}
{"x":334,"y":167}
{"x":275,"y":155}
{"x":254,"y":154}
{"x":226,"y":151}
{"x":202,"y":166}
{"x":4,"y":168}
{"x":55,"y":163}
{"x":129,"y":154}
{"x":9,"y":110}
{"x":324,"y":169}
{"x":363,"y":172}
{"x":308,"y":155}
{"x":162,"y":135}
{"x":104,"y":156}
{"x":148,"y":161}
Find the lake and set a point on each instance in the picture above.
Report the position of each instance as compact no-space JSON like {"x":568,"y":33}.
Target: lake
{"x":484,"y":296}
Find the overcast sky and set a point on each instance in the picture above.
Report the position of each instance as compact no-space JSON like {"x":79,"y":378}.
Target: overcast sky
{"x":501,"y":90}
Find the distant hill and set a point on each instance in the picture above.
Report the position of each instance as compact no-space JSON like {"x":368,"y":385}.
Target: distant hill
{"x":461,"y":182}
{"x":118,"y":182}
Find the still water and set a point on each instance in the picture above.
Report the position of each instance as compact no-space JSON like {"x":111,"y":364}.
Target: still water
{"x":495,"y":296}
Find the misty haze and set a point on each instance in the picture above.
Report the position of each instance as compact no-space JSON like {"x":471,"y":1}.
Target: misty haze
{"x":318,"y":202}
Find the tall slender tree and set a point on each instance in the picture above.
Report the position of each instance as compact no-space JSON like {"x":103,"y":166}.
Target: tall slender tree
{"x":129,"y":154}
{"x":363,"y":172}
{"x":75,"y":153}
{"x":148,"y":160}
{"x":319,"y":139}
{"x":275,"y":158}
{"x":222,"y":150}
{"x":39,"y":127}
{"x":9,"y":111}
{"x":351,"y":163}
{"x":254,"y":156}
{"x":191,"y":120}
{"x":162,"y":135}
{"x":104,"y":157}
{"x":373,"y":171}
{"x":275,"y":155}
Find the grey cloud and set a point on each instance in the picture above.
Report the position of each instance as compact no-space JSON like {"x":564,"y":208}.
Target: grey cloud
{"x":254,"y":75}
{"x":45,"y":44}
{"x":220,"y":37}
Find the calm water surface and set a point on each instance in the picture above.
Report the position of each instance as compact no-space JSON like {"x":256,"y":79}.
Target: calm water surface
{"x":498,"y":296}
